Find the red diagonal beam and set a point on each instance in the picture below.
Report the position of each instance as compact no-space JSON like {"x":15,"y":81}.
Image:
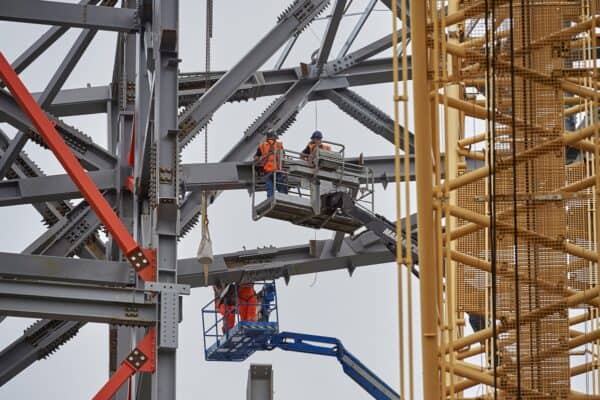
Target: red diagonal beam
{"x":142,"y":358}
{"x":143,"y":260}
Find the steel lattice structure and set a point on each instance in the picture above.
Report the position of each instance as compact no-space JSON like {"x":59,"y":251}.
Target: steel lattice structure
{"x":506,"y":216}
{"x":157,"y":198}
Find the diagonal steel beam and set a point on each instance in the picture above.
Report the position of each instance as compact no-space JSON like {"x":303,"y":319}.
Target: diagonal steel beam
{"x":91,"y":155}
{"x":11,"y":153}
{"x":42,"y":43}
{"x":330,"y":33}
{"x":357,"y":28}
{"x":71,"y":15}
{"x":291,"y":22}
{"x":367,"y":114}
{"x":279,"y":115}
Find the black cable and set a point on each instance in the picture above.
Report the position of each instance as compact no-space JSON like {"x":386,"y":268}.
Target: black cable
{"x":490,"y":37}
{"x":514,"y":190}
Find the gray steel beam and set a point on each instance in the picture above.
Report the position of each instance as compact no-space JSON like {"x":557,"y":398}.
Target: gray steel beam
{"x":71,"y":15}
{"x":231,"y":175}
{"x":80,"y":101}
{"x":39,"y":341}
{"x":279,"y":115}
{"x":91,"y":155}
{"x":51,"y":212}
{"x":164,"y":191}
{"x":285,"y":52}
{"x":367,"y":114}
{"x":274,"y":263}
{"x":291,"y":22}
{"x":339,"y":65}
{"x":11,"y":154}
{"x":260,"y":382}
{"x":42,"y":43}
{"x":277,"y":82}
{"x":73,"y":302}
{"x":66,"y":67}
{"x":65,"y":270}
{"x":70,"y":233}
{"x":330,"y":33}
{"x":50,"y":188}
{"x":357,"y":28}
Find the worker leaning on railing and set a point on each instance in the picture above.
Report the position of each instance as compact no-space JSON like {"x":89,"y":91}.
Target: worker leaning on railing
{"x":269,"y":154}
{"x":316,"y":142}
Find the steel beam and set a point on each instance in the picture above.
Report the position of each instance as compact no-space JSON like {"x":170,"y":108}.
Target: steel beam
{"x":66,"y":67}
{"x":71,"y":15}
{"x":291,"y":22}
{"x":277,"y":82}
{"x":357,"y":28}
{"x":50,"y":188}
{"x":367,"y":114}
{"x":73,"y":302}
{"x":65,"y":270}
{"x":11,"y":154}
{"x":238,"y":175}
{"x":91,"y":156}
{"x":39,"y":341}
{"x":274,"y":263}
{"x":330,"y":33}
{"x":79,"y":101}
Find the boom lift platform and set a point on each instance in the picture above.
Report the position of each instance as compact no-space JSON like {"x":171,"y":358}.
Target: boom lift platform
{"x":303,"y":180}
{"x":246,"y":337}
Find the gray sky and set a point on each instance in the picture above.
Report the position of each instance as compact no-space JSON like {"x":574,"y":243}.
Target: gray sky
{"x":361,"y":311}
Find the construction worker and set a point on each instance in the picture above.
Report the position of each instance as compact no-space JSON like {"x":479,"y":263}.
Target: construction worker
{"x":226,"y":301}
{"x":269,"y":155}
{"x":316,"y":140}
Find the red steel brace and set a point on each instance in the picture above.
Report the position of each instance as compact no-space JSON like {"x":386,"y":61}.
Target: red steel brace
{"x":142,"y":259}
{"x":142,"y":358}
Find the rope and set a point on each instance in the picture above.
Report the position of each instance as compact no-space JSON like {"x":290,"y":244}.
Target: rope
{"x":209,"y":33}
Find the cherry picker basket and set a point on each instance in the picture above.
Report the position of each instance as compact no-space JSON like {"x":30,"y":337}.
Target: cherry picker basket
{"x":237,"y":343}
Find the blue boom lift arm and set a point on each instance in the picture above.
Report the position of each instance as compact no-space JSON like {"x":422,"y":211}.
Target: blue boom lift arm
{"x":328,"y":346}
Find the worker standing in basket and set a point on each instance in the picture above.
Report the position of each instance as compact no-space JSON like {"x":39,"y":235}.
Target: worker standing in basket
{"x":269,"y":155}
{"x":226,"y":302}
{"x":316,"y":142}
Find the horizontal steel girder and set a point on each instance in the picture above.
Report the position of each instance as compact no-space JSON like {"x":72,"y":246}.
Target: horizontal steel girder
{"x":71,"y":15}
{"x":65,"y":270}
{"x":91,"y":155}
{"x":238,"y":175}
{"x":50,"y":188}
{"x":277,"y":82}
{"x":212,"y":177}
{"x":71,"y":302}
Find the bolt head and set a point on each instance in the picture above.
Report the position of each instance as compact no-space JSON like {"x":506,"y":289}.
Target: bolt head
{"x":132,"y":258}
{"x":130,"y":358}
{"x":145,"y":261}
{"x":137,"y":364}
{"x":136,"y":352}
{"x":139,"y":254}
{"x":138,"y":265}
{"x":142,"y":358}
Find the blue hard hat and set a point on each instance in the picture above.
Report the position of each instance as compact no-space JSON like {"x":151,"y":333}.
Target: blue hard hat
{"x":317,"y":135}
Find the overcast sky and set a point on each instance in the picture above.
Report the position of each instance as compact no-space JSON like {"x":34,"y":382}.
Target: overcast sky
{"x":361,"y":311}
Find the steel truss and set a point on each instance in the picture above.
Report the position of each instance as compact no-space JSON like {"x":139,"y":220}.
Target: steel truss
{"x":135,"y":280}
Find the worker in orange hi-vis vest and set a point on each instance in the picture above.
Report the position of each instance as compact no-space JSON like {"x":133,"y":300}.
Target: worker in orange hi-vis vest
{"x":315,"y":143}
{"x":246,"y":301}
{"x":269,"y":154}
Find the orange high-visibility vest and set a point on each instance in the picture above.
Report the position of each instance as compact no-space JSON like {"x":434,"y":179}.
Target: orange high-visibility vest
{"x":270,"y":151}
{"x":311,"y":147}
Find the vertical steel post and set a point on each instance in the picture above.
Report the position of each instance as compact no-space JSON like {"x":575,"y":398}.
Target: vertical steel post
{"x":424,"y":172}
{"x":164,"y":191}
